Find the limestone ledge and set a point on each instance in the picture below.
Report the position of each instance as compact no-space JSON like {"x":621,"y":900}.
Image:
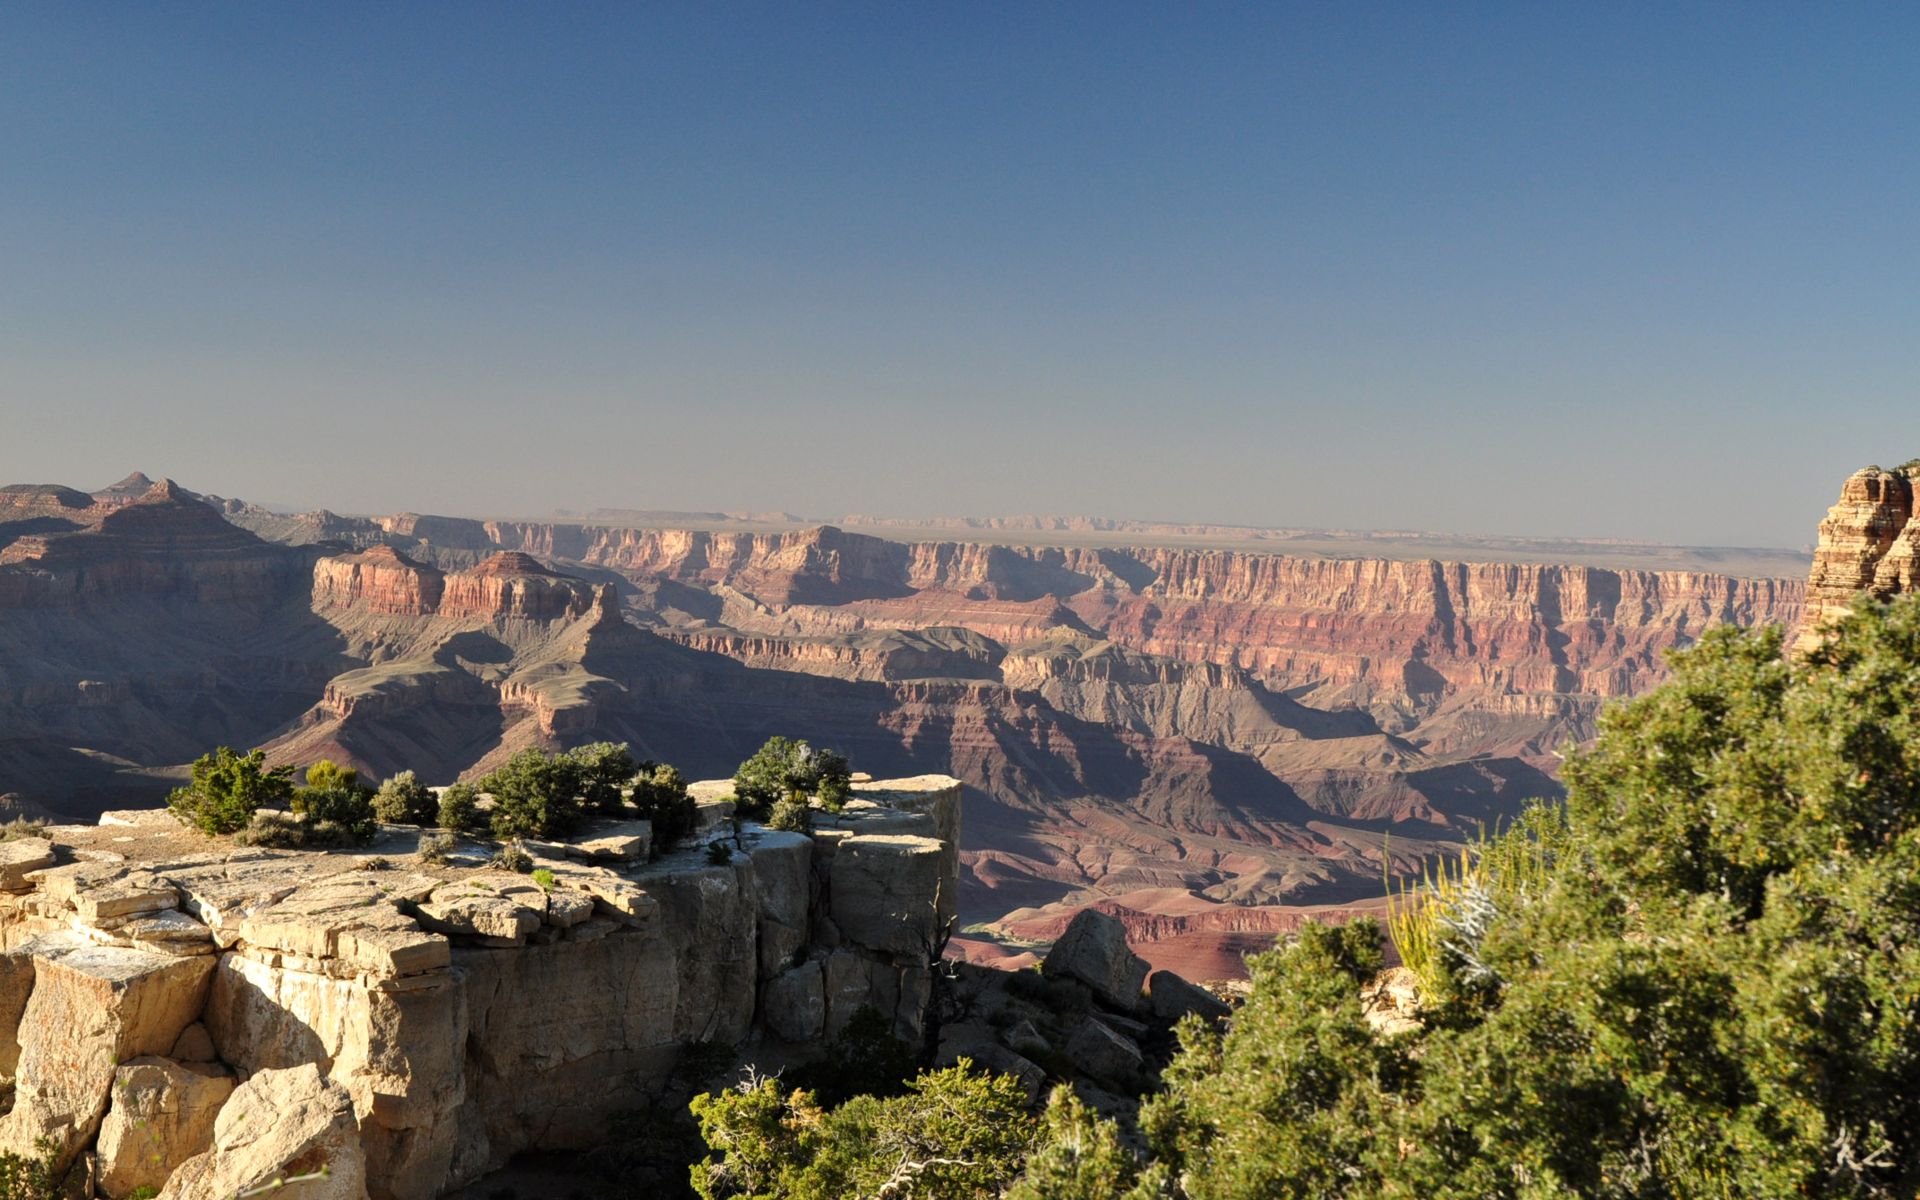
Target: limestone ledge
{"x":464,"y":1014}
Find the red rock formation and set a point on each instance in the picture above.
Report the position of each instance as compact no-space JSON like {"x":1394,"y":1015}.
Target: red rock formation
{"x":380,"y":580}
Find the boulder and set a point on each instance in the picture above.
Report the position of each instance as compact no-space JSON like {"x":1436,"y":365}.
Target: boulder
{"x":794,"y":1005}
{"x":1093,"y":950}
{"x":92,"y":1008}
{"x":886,"y":891}
{"x":1171,"y":997}
{"x":162,"y":1114}
{"x":275,"y":1125}
{"x":1099,"y":1052}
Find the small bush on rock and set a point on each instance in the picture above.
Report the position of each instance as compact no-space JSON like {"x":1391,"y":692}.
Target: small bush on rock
{"x":535,"y":795}
{"x":436,"y":848}
{"x":23,"y":827}
{"x":790,"y":815}
{"x":512,"y":857}
{"x":327,"y":774}
{"x":660,"y":796}
{"x":227,"y":788}
{"x":349,"y":809}
{"x":404,"y":800}
{"x":605,"y":770}
{"x":864,"y":1059}
{"x":791,"y":770}
{"x":460,"y":809}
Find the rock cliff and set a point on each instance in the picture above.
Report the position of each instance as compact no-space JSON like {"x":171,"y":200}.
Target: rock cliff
{"x":1869,"y":542}
{"x":413,"y":1025}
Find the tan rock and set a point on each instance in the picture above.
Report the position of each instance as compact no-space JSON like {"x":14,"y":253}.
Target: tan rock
{"x":621,"y":841}
{"x":161,"y":1115}
{"x":478,"y":908}
{"x":886,"y":892}
{"x":1106,"y":1056}
{"x":92,"y":1007}
{"x":194,"y":1045}
{"x":275,"y":1125}
{"x":18,"y":857}
{"x":1862,"y":529}
{"x":16,"y":985}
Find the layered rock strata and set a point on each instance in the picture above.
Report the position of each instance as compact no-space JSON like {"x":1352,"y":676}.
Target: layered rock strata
{"x":1869,"y":543}
{"x":201,"y":1017}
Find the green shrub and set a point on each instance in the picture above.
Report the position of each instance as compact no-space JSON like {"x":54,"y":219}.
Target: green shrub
{"x":512,"y":857}
{"x":226,"y":789}
{"x":436,"y":848}
{"x":404,"y":800}
{"x":283,"y":831}
{"x":348,"y":808}
{"x":30,"y":1178}
{"x":1704,"y":986}
{"x":791,"y":770}
{"x":660,"y":796}
{"x":863,"y":1059}
{"x":543,"y":877}
{"x":605,"y":770}
{"x":953,"y":1135}
{"x":23,"y":827}
{"x":326,"y":775}
{"x":460,"y":809}
{"x":790,"y":815}
{"x":535,"y":795}
{"x":719,"y":853}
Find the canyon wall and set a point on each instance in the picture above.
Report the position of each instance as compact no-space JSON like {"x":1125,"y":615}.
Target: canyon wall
{"x":1133,"y":723}
{"x":199,"y":1017}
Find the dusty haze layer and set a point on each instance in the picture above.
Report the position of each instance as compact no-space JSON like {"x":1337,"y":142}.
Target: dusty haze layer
{"x":1204,"y":739}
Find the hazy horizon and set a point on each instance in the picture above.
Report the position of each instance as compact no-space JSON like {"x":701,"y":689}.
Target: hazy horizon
{"x":1519,"y":271}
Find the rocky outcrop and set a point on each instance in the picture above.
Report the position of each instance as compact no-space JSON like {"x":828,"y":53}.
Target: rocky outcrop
{"x":1869,"y":543}
{"x":1093,"y":950}
{"x":380,"y":580}
{"x":410,"y":1026}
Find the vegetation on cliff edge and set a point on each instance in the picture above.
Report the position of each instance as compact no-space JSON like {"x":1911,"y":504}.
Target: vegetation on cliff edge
{"x":1702,"y":983}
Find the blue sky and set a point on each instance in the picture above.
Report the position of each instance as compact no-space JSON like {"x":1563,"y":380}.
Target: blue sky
{"x":1633,"y":270}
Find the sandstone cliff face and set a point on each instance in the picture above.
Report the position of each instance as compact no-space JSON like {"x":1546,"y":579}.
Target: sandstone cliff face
{"x":413,"y":1028}
{"x":1869,"y":542}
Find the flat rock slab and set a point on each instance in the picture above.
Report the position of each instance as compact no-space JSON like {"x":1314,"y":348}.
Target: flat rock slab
{"x":619,"y":841}
{"x":19,"y":856}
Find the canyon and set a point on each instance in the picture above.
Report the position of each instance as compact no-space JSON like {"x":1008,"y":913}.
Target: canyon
{"x":1207,"y":742}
